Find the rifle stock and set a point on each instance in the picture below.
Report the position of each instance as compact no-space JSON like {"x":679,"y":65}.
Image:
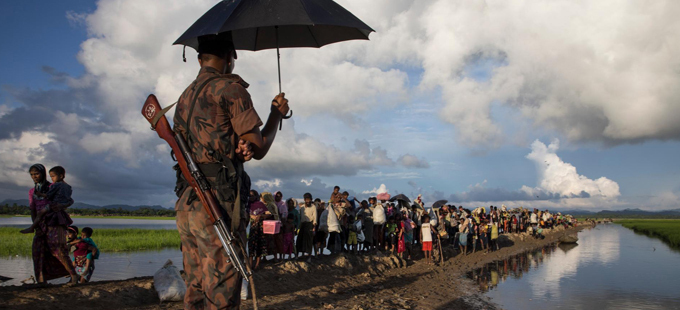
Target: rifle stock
{"x":150,"y":110}
{"x":155,"y":115}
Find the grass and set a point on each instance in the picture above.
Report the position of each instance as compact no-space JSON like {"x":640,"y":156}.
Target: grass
{"x":666,"y":230}
{"x":108,"y":240}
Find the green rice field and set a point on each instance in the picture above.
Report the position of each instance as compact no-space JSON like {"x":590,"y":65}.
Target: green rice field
{"x":666,"y":230}
{"x":108,"y":240}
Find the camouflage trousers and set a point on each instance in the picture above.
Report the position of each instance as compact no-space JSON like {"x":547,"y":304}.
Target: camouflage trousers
{"x":212,"y":283}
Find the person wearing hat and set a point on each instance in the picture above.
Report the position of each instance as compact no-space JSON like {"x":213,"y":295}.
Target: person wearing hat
{"x":215,"y":115}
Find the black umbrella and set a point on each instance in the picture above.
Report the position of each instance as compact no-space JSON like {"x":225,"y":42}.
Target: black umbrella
{"x":265,"y":24}
{"x":400,"y":197}
{"x":439,"y":203}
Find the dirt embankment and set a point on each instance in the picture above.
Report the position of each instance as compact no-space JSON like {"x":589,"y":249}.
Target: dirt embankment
{"x":374,"y":281}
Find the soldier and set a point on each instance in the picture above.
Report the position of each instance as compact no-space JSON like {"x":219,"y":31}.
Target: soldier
{"x":215,"y":114}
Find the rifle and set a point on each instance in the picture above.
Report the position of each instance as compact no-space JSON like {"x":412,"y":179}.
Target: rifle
{"x":192,"y":173}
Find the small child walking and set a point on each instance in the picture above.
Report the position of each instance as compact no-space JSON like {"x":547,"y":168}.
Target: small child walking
{"x":426,"y":231}
{"x":409,"y":225}
{"x":401,"y":244}
{"x":85,"y":254}
{"x":288,"y":236}
{"x":59,"y":197}
{"x":390,"y":231}
{"x":352,"y":241}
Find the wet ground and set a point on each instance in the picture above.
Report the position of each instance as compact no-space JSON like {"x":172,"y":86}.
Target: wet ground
{"x":341,"y":282}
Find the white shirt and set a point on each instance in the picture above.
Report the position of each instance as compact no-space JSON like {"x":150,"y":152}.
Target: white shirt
{"x":426,"y":232}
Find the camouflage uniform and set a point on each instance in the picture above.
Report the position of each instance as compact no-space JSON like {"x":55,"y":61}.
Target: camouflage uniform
{"x":223,"y":111}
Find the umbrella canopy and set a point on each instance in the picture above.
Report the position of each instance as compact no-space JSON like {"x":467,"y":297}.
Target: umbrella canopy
{"x":400,"y":197}
{"x":264,"y":24}
{"x":439,"y":203}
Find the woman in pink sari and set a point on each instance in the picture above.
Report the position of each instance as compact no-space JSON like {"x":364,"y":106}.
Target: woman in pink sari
{"x":50,"y":254}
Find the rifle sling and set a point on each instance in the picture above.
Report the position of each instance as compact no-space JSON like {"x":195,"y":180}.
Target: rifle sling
{"x":225,"y":162}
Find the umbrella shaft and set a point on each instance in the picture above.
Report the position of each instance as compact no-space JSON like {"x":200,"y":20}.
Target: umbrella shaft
{"x":278,"y":56}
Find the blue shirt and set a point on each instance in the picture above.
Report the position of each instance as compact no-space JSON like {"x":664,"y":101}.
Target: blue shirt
{"x":59,"y":193}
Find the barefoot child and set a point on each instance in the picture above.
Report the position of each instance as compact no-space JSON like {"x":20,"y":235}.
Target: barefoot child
{"x":409,"y":226}
{"x":59,"y":196}
{"x":71,"y":236}
{"x":85,"y":254}
{"x":288,"y":236}
{"x":352,"y":240}
{"x":426,"y":237}
{"x":391,"y":232}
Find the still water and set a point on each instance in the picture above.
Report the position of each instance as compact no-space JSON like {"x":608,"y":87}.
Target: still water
{"x":109,"y":266}
{"x":610,"y":268}
{"x":97,"y":223}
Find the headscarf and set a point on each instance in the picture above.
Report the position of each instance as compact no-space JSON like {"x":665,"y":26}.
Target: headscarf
{"x":295,"y":202}
{"x":42,"y":186}
{"x":268,"y":200}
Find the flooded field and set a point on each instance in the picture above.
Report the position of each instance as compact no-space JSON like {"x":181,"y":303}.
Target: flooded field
{"x":611,"y":267}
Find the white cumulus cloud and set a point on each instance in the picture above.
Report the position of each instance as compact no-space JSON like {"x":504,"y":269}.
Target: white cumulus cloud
{"x":377,"y":190}
{"x":559,"y":177}
{"x":267,"y":185}
{"x":601,"y":71}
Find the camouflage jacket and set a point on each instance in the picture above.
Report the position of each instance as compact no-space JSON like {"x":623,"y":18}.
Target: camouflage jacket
{"x":223,"y":111}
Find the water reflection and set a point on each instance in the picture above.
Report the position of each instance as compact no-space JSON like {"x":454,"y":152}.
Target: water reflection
{"x":489,"y":276}
{"x":610,"y":268}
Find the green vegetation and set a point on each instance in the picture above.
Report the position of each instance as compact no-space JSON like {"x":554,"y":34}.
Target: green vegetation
{"x":101,"y":212}
{"x":664,"y":229}
{"x":108,"y":240}
{"x":14,"y":210}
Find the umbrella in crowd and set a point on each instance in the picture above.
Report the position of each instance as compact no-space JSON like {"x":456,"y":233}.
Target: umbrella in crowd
{"x":400,"y":197}
{"x":265,"y":24}
{"x":439,"y":203}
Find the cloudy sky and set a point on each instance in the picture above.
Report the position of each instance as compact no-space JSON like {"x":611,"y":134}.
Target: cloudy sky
{"x":550,"y":104}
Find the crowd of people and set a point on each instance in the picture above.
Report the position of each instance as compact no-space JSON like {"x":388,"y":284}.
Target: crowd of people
{"x":302,"y":229}
{"x":345,"y":224}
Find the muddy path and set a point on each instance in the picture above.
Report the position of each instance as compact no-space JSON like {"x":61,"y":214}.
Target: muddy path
{"x":375,"y":281}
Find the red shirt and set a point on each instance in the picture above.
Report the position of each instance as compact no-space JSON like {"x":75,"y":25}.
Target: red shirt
{"x":81,"y":249}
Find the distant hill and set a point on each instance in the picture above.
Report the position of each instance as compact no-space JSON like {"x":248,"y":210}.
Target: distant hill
{"x":637,"y":212}
{"x":626,"y":213}
{"x":80,"y":205}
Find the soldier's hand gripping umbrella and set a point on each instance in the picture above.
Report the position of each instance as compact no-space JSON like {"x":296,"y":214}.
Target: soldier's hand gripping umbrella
{"x":267,"y":24}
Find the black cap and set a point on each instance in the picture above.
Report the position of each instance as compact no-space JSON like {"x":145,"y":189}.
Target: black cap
{"x":217,"y":45}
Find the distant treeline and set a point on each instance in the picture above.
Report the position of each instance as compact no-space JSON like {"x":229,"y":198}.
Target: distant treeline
{"x":630,"y":216}
{"x":24,"y":210}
